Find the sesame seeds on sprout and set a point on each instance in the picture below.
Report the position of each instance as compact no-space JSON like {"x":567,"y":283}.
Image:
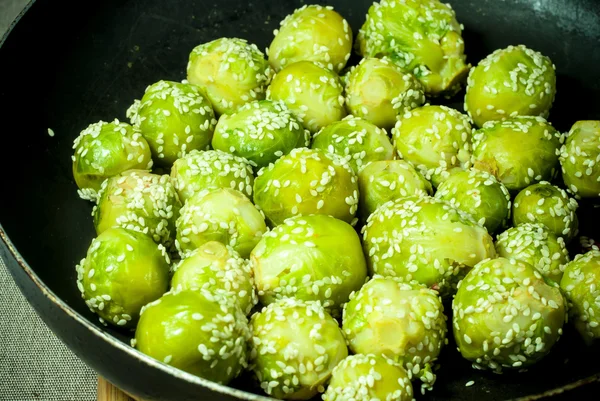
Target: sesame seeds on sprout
{"x":580,"y":160}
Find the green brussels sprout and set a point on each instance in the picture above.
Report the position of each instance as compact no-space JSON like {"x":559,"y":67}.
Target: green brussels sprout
{"x":402,"y":321}
{"x":304,"y":182}
{"x":424,"y":239}
{"x":203,"y":171}
{"x":369,"y":377}
{"x":434,"y":139}
{"x":579,"y":159}
{"x":295,"y":346}
{"x":219,"y":269}
{"x":548,"y":205}
{"x":510,"y":82}
{"x":195,"y":331}
{"x":230,"y":71}
{"x":106,"y":149}
{"x":122,"y":271}
{"x":519,"y":151}
{"x":174,"y":118}
{"x":356,"y":140}
{"x":379,"y":91}
{"x":506,"y":315}
{"x":534,"y":244}
{"x":311,"y":258}
{"x":580,"y":284}
{"x":140,"y":201}
{"x":224,"y":215}
{"x":312,"y":33}
{"x":387,"y":180}
{"x":422,"y":36}
{"x":260,"y":131}
{"x":480,"y":194}
{"x":313,"y":93}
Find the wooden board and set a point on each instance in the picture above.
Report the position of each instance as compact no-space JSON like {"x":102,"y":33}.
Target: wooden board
{"x":108,"y":392}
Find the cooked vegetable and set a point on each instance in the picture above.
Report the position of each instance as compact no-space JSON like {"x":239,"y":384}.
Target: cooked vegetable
{"x":402,"y":321}
{"x":196,"y":331}
{"x":313,"y":93}
{"x":424,"y":239}
{"x":434,"y":139}
{"x":356,"y":140}
{"x":208,"y":170}
{"x":106,"y":149}
{"x":379,"y":91}
{"x":122,"y":272}
{"x":506,"y":315}
{"x":311,"y":258}
{"x":579,"y":158}
{"x":230,"y":72}
{"x":261,"y":132}
{"x":422,"y":36}
{"x":510,"y":82}
{"x":519,"y":151}
{"x":224,"y":215}
{"x":294,"y":347}
{"x":312,"y":33}
{"x":307,"y":181}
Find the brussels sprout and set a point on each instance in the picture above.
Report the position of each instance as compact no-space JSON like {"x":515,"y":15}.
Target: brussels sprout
{"x":122,"y":272}
{"x":424,"y":239}
{"x":106,"y":149}
{"x":434,"y":139}
{"x":506,"y":315}
{"x":581,"y":285}
{"x":422,"y":36}
{"x":403,"y":321}
{"x":219,"y":269}
{"x":480,"y":194}
{"x":534,"y":244}
{"x":312,"y":33}
{"x":312,"y":258}
{"x":313,"y":94}
{"x":260,"y":131}
{"x":356,"y":140}
{"x":174,"y":118}
{"x":294,"y":347}
{"x":548,"y":205}
{"x":140,"y":201}
{"x":212,"y":169}
{"x":367,"y":378}
{"x":579,"y":158}
{"x":195,"y":331}
{"x":224,"y":215}
{"x":519,"y":151}
{"x":383,"y":181}
{"x":510,"y":82}
{"x":230,"y":72}
{"x":379,"y":91}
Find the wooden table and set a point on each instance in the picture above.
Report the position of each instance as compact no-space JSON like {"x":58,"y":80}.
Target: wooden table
{"x":108,"y":392}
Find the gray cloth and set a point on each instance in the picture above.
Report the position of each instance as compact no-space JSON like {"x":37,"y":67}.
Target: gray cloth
{"x":34,"y":364}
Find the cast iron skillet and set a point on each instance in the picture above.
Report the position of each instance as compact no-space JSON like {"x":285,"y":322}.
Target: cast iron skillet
{"x":70,"y":63}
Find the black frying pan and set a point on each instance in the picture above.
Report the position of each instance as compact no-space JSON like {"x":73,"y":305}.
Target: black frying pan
{"x":69,"y":63}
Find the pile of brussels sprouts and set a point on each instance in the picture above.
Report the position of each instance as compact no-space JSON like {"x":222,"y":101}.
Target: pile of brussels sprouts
{"x":248,"y":255}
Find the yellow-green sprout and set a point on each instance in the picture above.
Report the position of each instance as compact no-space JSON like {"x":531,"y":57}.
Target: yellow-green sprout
{"x":379,"y":91}
{"x":312,"y":33}
{"x":312,"y":92}
{"x":434,"y":139}
{"x":505,"y":315}
{"x":510,"y":82}
{"x":230,"y":71}
{"x":294,"y":348}
{"x":261,"y":132}
{"x":106,"y":149}
{"x":579,"y":158}
{"x":519,"y":151}
{"x":422,"y":36}
{"x":356,"y":140}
